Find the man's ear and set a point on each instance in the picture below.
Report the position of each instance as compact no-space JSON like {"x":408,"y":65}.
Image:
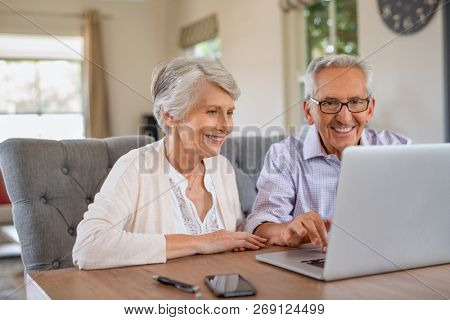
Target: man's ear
{"x":371,"y":110}
{"x":308,"y":113}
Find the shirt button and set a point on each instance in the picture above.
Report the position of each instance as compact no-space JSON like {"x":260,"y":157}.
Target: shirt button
{"x":65,"y":170}
{"x":56,"y":264}
{"x":71,"y":231}
{"x":44,"y":200}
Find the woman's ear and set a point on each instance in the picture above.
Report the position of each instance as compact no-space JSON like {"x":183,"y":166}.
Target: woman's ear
{"x":168,"y":120}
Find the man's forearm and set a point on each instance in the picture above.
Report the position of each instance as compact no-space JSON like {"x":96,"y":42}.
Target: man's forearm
{"x":271,"y":231}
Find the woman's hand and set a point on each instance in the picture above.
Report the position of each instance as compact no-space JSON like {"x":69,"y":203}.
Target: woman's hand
{"x":222,"y":240}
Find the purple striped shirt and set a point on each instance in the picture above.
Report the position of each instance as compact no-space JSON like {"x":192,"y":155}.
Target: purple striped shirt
{"x":298,"y":176}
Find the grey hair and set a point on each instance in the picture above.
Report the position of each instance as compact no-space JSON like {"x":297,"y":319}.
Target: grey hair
{"x":335,"y":61}
{"x":175,"y":85}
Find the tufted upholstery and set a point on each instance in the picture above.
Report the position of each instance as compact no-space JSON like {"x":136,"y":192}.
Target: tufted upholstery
{"x":51,"y":183}
{"x":247,"y":156}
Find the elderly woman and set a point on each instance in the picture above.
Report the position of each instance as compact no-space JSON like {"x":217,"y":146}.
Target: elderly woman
{"x":178,"y":196}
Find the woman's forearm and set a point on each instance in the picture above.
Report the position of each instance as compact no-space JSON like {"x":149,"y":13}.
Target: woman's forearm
{"x":181,"y":245}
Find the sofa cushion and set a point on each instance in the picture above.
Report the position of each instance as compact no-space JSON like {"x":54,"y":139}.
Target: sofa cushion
{"x":247,"y":155}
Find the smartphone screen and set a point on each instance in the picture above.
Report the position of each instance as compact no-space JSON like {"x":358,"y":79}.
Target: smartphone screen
{"x":229,"y":285}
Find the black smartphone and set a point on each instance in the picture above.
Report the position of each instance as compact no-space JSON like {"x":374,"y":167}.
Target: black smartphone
{"x":229,"y":285}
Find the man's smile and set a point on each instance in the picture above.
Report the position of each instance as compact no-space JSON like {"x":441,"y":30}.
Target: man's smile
{"x":343,"y":130}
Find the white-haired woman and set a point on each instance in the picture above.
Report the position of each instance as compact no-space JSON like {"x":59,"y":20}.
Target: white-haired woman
{"x":178,"y":196}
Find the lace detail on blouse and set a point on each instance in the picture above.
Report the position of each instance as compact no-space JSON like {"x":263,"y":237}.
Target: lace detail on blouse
{"x":187,"y":212}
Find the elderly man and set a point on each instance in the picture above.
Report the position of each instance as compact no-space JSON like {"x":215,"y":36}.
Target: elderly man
{"x":298,"y":183}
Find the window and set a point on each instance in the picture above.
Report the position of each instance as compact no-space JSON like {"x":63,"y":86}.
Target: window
{"x":331,"y":27}
{"x":201,"y":38}
{"x":312,"y":30}
{"x":209,"y":48}
{"x":40,"y":87}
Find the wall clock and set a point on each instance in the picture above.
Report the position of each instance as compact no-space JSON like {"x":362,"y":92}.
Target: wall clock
{"x":407,"y":16}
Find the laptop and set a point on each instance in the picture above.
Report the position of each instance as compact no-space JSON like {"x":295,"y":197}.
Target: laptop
{"x":392,"y":213}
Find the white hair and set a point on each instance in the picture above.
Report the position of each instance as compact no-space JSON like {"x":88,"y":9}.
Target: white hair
{"x":175,"y":85}
{"x":335,"y":61}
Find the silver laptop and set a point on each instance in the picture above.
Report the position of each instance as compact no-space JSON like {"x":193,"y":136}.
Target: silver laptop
{"x":392,"y":213}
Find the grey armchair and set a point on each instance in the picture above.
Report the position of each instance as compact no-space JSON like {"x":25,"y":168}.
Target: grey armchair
{"x":51,"y":183}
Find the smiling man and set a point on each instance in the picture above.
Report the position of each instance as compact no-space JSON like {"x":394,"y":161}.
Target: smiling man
{"x":298,"y":183}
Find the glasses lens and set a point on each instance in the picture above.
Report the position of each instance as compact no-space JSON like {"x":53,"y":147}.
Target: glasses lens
{"x":330,"y":106}
{"x":358,"y":105}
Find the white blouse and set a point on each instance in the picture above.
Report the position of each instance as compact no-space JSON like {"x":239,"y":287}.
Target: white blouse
{"x":186,"y":218}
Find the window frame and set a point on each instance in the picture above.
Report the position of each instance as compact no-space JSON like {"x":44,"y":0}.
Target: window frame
{"x":29,"y":58}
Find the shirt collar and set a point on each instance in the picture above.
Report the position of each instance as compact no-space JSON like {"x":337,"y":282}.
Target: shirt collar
{"x":181,"y":180}
{"x":312,"y":146}
{"x":176,"y":176}
{"x":364,"y":141}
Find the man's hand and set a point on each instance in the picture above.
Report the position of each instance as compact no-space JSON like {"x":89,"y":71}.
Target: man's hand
{"x":308,"y":227}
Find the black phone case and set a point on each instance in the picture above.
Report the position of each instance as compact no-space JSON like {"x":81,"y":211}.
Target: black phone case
{"x":231,"y":294}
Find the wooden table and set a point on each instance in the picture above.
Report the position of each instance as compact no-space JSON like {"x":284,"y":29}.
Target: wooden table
{"x":270,"y":282}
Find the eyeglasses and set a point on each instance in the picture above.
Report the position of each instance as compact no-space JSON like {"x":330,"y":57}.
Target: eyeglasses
{"x":335,"y":106}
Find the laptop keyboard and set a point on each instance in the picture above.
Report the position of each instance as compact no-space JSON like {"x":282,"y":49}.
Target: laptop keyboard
{"x":315,"y":262}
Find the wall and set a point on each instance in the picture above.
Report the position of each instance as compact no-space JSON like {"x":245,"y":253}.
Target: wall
{"x":294,"y":27}
{"x":251,"y":34}
{"x":408,"y":75}
{"x":138,"y":34}
{"x":131,"y":39}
